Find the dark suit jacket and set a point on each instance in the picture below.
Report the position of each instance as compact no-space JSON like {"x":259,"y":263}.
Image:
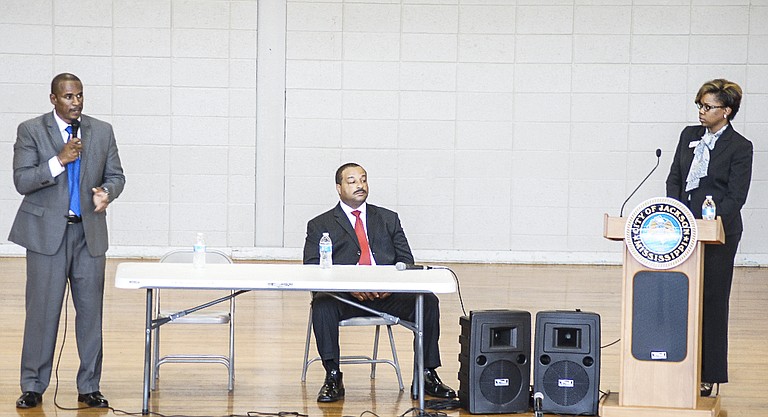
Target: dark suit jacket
{"x":40,"y":225}
{"x":385,"y":237}
{"x":727,"y":180}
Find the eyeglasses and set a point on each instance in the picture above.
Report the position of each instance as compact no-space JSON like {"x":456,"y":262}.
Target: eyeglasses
{"x":707,"y":107}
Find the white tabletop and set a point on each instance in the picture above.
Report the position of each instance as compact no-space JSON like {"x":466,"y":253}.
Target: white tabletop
{"x":262,"y":276}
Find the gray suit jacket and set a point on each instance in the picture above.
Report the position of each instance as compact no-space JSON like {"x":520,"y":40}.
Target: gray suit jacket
{"x":40,"y":225}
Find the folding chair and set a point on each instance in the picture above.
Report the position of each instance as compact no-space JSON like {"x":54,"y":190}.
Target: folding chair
{"x":359,"y":359}
{"x":223,"y":317}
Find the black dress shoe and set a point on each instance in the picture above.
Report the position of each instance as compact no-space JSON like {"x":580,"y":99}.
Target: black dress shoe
{"x":333,"y":388}
{"x":434,"y":387}
{"x":93,"y":399}
{"x":29,"y":399}
{"x":705,"y":389}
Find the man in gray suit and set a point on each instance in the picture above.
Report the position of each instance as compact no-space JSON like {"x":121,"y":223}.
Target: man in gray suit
{"x":67,"y":180}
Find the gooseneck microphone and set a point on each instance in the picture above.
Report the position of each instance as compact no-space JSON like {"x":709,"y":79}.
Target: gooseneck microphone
{"x":658,"y":159}
{"x":75,"y":127}
{"x":402,"y":266}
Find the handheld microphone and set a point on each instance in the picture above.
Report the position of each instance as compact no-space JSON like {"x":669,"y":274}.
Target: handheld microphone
{"x":402,"y":266}
{"x":75,"y":127}
{"x":537,"y":399}
{"x":658,"y":159}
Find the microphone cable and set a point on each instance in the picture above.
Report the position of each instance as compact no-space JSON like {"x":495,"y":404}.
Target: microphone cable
{"x":58,"y":364}
{"x":458,"y":286}
{"x":61,"y":350}
{"x":423,"y":412}
{"x":611,"y":344}
{"x":58,"y":359}
{"x":410,"y":410}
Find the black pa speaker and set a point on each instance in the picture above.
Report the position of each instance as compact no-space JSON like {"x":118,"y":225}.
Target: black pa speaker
{"x":495,"y":366}
{"x":660,"y":316}
{"x":567,"y":361}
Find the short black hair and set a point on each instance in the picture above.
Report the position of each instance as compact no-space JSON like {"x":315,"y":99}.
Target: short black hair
{"x":64,"y":76}
{"x":341,"y":170}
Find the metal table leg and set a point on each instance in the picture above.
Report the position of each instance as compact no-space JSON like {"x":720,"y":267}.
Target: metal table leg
{"x":420,"y":350}
{"x":147,"y":353}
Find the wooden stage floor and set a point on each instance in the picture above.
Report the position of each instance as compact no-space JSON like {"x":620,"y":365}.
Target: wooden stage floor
{"x":270,"y":332}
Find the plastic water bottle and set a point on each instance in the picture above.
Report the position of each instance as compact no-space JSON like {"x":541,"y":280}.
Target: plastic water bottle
{"x":326,"y":251}
{"x":198,"y":255}
{"x":708,"y":209}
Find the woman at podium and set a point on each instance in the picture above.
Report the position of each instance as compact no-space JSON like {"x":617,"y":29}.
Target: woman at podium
{"x":712,"y":159}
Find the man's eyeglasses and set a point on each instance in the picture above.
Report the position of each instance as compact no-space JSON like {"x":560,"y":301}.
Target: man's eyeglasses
{"x":707,"y":107}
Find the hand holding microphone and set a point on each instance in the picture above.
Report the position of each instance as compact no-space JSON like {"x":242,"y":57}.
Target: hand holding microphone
{"x":71,"y":151}
{"x":74,"y":146}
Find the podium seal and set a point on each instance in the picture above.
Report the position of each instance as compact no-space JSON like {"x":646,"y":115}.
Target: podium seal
{"x":661,"y":233}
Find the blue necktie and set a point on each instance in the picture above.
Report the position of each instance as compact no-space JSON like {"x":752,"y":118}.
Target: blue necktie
{"x":73,"y":175}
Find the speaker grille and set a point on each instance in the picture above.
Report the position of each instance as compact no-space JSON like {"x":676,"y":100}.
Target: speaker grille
{"x":566,"y":383}
{"x":506,"y":391}
{"x":660,"y":316}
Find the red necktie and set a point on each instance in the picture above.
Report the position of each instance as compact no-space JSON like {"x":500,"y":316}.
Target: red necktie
{"x":365,"y":251}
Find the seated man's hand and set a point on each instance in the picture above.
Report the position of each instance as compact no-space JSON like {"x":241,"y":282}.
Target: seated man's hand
{"x":370,"y":296}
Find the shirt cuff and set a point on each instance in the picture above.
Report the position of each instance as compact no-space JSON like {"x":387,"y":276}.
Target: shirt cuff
{"x":55,"y":166}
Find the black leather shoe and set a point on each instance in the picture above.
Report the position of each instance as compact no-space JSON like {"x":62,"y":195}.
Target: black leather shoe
{"x":93,"y":399}
{"x":333,"y":388}
{"x":29,"y":399}
{"x":705,"y":389}
{"x":434,"y":387}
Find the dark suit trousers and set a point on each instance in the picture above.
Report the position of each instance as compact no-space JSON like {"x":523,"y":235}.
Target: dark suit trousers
{"x":328,"y":311}
{"x":46,"y":282}
{"x":718,"y":276}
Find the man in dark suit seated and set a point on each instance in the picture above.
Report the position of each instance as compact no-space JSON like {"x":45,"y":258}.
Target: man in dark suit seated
{"x":364,"y":234}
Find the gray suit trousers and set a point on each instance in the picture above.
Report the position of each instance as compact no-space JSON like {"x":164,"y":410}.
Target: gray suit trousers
{"x":47,"y":277}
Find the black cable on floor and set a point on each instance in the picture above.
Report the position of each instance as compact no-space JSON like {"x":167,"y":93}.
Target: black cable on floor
{"x":422,"y":412}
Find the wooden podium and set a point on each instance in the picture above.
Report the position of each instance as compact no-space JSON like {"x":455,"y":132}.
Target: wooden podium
{"x":666,"y":387}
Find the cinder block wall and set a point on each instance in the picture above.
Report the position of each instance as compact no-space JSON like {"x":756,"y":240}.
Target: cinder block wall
{"x":501,"y":130}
